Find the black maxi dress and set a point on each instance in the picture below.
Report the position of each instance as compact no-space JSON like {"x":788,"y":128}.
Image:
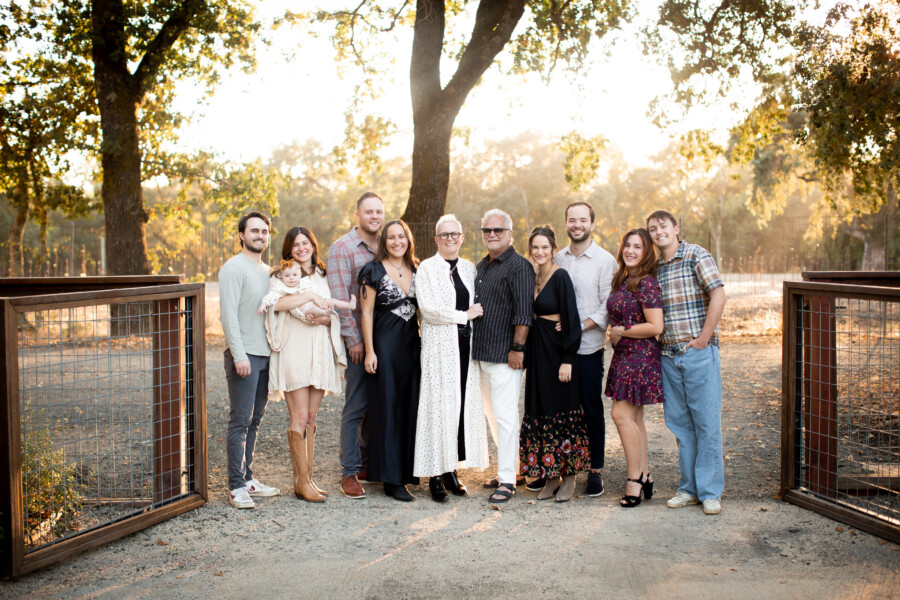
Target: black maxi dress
{"x":394,"y":403}
{"x":464,"y":333}
{"x":553,"y":441}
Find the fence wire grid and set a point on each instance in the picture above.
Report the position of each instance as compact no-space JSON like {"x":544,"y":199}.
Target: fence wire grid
{"x":106,"y":404}
{"x":848,"y":447}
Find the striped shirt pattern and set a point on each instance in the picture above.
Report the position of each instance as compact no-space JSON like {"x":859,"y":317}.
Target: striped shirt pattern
{"x":505,"y":288}
{"x":686,"y":281}
{"x":346,"y":258}
{"x":591,"y":273}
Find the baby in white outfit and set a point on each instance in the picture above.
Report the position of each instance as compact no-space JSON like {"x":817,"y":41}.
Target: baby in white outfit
{"x":289,"y":279}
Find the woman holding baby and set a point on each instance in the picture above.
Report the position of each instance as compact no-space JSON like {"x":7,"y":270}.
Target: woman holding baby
{"x":307,"y":351}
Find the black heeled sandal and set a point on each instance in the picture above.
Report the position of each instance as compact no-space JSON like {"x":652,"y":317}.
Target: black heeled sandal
{"x":647,"y":486}
{"x":632,"y":501}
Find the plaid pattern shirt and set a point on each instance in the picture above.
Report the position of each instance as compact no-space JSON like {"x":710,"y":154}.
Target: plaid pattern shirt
{"x":346,"y":258}
{"x":686,"y":281}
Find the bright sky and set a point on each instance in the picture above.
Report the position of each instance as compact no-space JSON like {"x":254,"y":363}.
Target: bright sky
{"x":301,"y":96}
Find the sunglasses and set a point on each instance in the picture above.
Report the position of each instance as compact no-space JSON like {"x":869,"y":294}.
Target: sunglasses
{"x":449,"y":235}
{"x":494,"y":230}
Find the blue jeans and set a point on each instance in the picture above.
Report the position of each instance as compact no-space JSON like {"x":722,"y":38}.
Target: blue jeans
{"x":354,"y":425}
{"x":693,"y":386}
{"x":247,"y":396}
{"x":590,"y":374}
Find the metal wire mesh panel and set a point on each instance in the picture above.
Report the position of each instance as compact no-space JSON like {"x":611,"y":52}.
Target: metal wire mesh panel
{"x":846,"y":449}
{"x":107,"y":419}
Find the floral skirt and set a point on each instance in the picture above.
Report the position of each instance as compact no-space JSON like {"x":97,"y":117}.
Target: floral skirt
{"x":554,"y":446}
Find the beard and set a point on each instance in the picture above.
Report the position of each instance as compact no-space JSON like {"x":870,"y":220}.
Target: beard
{"x":584,"y":236}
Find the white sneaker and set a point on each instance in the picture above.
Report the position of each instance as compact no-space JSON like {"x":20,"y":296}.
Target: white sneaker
{"x":260,"y":490}
{"x":239,"y":498}
{"x":712,"y":506}
{"x":682,"y":499}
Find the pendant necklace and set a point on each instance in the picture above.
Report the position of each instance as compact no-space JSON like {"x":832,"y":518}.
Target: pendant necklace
{"x":399,"y":271}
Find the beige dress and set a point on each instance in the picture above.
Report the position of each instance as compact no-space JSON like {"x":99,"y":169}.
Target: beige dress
{"x":304,"y":354}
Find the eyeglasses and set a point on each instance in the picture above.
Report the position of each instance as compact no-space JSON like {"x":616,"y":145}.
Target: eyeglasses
{"x":494,"y":230}
{"x":449,"y":235}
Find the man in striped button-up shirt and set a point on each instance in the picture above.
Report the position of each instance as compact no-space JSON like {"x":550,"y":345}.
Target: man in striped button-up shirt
{"x":504,"y":285}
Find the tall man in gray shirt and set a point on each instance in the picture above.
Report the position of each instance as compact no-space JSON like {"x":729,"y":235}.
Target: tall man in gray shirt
{"x":591,"y":269}
{"x":243,"y":281}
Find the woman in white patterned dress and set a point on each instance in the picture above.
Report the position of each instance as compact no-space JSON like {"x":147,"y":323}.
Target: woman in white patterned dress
{"x":306,"y":359}
{"x":450,"y":429}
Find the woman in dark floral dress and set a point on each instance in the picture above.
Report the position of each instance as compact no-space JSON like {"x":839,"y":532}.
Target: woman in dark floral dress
{"x":635,"y":376}
{"x":553,"y":443}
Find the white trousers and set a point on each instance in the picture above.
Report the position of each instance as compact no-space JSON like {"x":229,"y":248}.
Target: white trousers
{"x":500,"y":387}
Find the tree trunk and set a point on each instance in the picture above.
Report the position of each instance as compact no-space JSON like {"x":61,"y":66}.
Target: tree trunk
{"x":123,"y":205}
{"x":118,"y":97}
{"x":18,"y":195}
{"x":435,"y":109}
{"x":430,"y":180}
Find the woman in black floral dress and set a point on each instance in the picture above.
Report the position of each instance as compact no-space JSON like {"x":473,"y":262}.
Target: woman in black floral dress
{"x":391,"y":334}
{"x":553,"y":441}
{"x":635,"y":376}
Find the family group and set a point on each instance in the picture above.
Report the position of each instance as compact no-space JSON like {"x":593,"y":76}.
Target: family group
{"x":433,"y":354}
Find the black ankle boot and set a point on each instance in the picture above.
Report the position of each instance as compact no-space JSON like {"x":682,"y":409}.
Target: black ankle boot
{"x":398,"y":492}
{"x":453,"y":484}
{"x":437,"y":489}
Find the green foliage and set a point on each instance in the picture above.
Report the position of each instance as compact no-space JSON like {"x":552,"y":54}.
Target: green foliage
{"x":708,"y":44}
{"x":51,"y":489}
{"x":204,"y":191}
{"x":848,"y":79}
{"x":582,"y":157}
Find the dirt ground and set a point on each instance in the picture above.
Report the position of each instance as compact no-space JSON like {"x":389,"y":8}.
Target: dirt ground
{"x":758,"y":547}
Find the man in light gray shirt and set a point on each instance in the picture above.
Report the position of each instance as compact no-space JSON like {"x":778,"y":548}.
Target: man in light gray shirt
{"x":243,"y":281}
{"x":591,"y":269}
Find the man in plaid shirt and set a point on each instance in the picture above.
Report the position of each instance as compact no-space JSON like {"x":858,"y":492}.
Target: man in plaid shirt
{"x":346,"y":257}
{"x":693,"y":301}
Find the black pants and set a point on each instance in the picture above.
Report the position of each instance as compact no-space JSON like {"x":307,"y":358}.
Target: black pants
{"x":464,"y":350}
{"x":590,"y":371}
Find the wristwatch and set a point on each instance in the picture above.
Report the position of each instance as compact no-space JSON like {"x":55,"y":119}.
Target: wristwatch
{"x":582,"y":325}
{"x":517,"y":347}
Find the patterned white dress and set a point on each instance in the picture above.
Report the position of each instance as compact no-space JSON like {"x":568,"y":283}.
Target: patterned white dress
{"x":437,"y":425}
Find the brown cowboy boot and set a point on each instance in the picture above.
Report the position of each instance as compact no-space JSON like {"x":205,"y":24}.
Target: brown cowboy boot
{"x":310,"y":452}
{"x":302,"y":488}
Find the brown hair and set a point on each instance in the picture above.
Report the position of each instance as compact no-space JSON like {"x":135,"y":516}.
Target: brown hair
{"x":409,"y":257}
{"x":646,"y":268}
{"x":366,"y":196}
{"x":547,"y":232}
{"x":288,"y":245}
{"x":660,"y":215}
{"x":580,"y":203}
{"x":242,"y":223}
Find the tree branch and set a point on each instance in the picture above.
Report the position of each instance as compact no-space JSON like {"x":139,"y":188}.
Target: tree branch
{"x":175,"y":25}
{"x":495,"y":21}
{"x":395,"y":17}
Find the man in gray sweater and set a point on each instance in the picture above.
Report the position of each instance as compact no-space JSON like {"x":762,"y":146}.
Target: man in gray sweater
{"x":243,"y":281}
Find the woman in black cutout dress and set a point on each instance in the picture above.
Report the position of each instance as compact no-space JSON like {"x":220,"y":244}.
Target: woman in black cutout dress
{"x":553,"y":441}
{"x":391,"y":336}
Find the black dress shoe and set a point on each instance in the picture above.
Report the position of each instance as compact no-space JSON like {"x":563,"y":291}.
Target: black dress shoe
{"x":536,"y":485}
{"x":437,"y":489}
{"x":453,"y":484}
{"x":398,"y":492}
